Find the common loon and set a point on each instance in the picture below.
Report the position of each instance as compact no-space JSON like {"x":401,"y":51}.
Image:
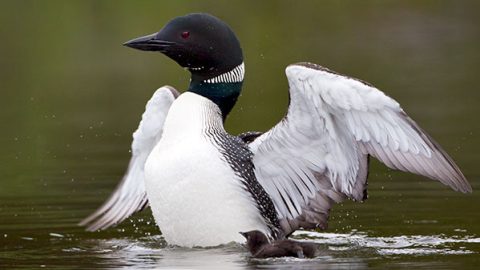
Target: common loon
{"x":205,"y":185}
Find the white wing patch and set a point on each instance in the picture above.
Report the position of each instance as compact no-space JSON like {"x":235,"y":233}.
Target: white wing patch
{"x":130,"y":195}
{"x":317,"y":154}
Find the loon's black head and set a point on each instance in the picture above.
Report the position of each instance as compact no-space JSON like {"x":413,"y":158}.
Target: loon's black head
{"x":200,"y":42}
{"x":208,"y":48}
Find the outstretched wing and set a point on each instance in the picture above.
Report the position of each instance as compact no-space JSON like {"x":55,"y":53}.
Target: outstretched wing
{"x":130,"y":197}
{"x":318,"y":154}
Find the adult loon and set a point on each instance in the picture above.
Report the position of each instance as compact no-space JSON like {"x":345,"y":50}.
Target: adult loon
{"x":205,"y":185}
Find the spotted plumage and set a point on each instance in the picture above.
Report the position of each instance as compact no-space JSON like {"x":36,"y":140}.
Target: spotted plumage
{"x":239,"y":157}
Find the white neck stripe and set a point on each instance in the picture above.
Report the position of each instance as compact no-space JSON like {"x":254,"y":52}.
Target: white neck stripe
{"x":233,"y":76}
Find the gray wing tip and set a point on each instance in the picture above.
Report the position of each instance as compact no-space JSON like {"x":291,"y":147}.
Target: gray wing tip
{"x":92,"y":224}
{"x":460,"y":179}
{"x":453,"y":177}
{"x":468,"y":189}
{"x":457,"y":181}
{"x":99,"y":220}
{"x":439,"y":166}
{"x":461,"y":184}
{"x":110,"y":214}
{"x":96,"y":216}
{"x":86,"y":220}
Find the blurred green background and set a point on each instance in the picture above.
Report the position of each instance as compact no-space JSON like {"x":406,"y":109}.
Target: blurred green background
{"x":71,"y":96}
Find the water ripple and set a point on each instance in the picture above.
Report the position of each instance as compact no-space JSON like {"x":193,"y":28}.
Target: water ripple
{"x":394,"y":245}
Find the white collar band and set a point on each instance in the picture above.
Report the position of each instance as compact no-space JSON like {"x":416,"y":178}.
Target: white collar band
{"x":233,"y":76}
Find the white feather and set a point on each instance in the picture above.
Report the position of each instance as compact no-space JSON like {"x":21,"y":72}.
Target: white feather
{"x":130,"y":196}
{"x":195,"y":196}
{"x":332,"y":122}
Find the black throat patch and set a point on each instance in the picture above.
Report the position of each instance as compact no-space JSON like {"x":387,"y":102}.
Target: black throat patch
{"x":225,"y":95}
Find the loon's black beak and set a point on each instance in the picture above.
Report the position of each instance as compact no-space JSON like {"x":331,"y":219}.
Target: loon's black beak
{"x":244,"y":234}
{"x":149,"y":43}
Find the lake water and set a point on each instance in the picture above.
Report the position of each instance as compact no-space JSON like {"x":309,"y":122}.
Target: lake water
{"x":71,"y":96}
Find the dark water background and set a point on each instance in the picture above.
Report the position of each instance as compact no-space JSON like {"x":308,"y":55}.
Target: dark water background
{"x":71,"y":95}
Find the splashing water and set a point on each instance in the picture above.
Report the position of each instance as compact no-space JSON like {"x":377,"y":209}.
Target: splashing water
{"x":394,"y":245}
{"x":355,"y":250}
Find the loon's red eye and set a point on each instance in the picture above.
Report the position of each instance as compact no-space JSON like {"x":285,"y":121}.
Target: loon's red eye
{"x":185,"y":34}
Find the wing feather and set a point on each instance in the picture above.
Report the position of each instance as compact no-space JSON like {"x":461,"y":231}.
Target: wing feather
{"x":129,"y":196}
{"x":318,"y":154}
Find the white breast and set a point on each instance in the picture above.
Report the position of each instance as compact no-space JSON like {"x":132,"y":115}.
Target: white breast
{"x":195,"y":197}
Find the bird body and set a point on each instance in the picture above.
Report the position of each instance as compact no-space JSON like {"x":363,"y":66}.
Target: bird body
{"x":190,"y":186}
{"x":204,"y":185}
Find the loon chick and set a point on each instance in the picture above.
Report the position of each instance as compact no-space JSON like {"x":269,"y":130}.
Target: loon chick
{"x":260,"y":247}
{"x":205,"y":185}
